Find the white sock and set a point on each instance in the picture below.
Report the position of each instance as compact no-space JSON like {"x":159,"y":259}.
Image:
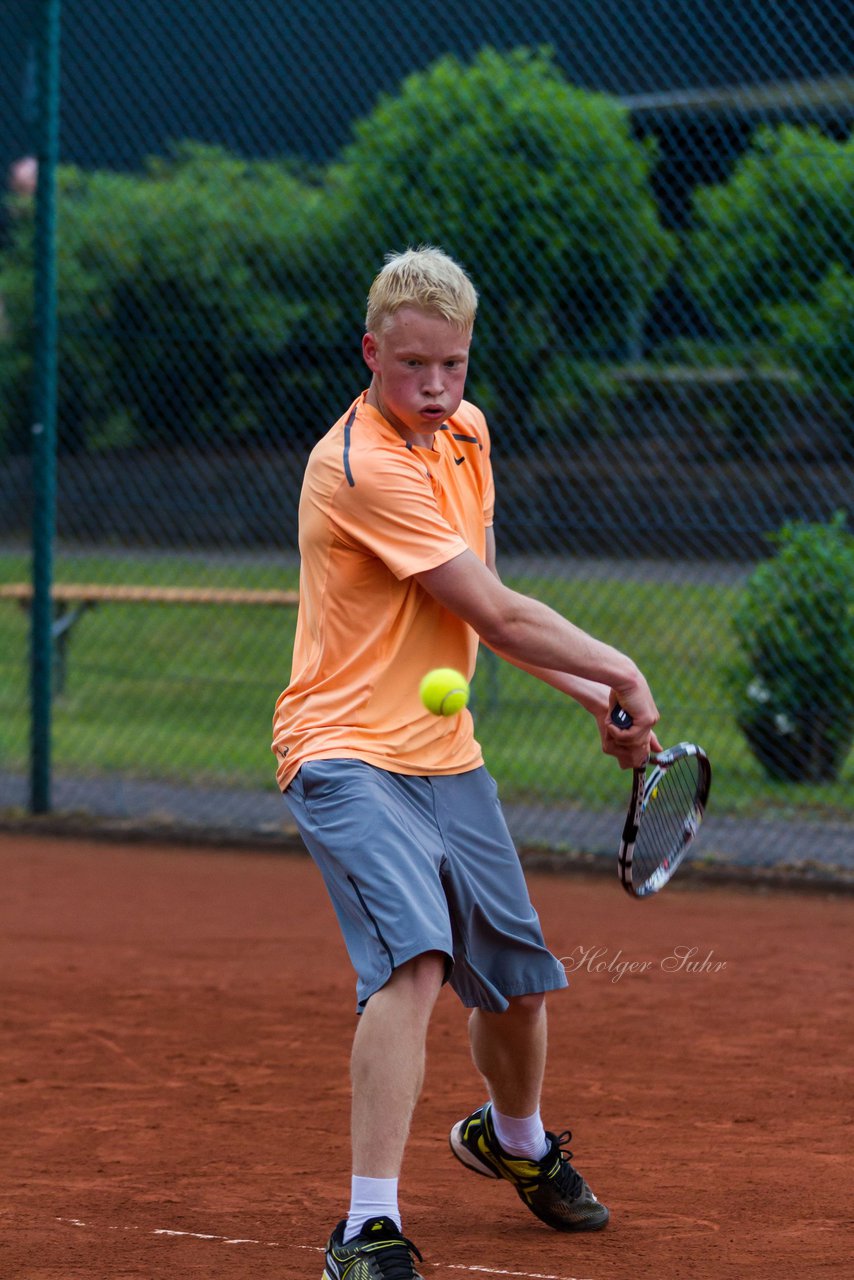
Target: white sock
{"x":521,"y":1137}
{"x":371,"y":1198}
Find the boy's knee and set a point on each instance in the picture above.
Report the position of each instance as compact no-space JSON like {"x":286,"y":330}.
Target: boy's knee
{"x":424,"y":973}
{"x":527,"y":1006}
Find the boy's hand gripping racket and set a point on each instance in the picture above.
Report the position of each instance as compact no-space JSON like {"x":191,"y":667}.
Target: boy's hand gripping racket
{"x":669,"y":796}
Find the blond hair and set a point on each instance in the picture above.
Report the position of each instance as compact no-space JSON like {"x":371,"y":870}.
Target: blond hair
{"x":424,"y":277}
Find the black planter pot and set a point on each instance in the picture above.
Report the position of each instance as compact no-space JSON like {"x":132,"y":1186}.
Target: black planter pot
{"x":809,"y":748}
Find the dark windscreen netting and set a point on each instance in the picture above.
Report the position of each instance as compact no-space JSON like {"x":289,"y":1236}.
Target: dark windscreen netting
{"x":655,"y":204}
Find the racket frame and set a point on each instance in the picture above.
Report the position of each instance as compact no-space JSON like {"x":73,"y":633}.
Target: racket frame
{"x":644,"y":782}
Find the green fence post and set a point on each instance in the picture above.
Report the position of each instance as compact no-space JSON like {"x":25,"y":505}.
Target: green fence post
{"x":44,"y":398}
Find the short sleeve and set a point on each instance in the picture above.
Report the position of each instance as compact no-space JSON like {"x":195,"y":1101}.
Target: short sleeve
{"x":391,"y":511}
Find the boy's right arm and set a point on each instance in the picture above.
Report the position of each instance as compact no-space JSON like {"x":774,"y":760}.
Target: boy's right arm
{"x":531,"y":633}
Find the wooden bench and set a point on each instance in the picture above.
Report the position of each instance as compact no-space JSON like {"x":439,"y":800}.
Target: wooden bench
{"x":71,"y":600}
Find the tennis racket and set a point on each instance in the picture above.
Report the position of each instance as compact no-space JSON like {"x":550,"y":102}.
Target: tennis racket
{"x":669,"y":797}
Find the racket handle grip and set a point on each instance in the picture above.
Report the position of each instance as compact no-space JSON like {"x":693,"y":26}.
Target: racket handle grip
{"x":621,"y":718}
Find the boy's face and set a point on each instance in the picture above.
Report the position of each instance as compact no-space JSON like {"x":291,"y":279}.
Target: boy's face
{"x":419,"y":362}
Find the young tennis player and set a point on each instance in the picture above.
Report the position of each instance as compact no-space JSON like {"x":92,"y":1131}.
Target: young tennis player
{"x":398,"y":576}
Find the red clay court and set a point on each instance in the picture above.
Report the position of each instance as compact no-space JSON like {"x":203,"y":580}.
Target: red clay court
{"x":176,"y":1030}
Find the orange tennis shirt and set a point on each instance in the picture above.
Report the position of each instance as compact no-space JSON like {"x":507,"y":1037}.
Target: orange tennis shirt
{"x":374,"y":511}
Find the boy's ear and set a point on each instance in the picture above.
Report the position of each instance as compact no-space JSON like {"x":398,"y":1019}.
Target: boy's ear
{"x":370,"y":352}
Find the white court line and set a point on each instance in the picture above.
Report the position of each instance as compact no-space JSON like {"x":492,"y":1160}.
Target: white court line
{"x":495,"y":1271}
{"x":313,"y":1248}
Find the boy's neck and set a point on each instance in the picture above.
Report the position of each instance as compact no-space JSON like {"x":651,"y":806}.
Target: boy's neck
{"x":422,"y":440}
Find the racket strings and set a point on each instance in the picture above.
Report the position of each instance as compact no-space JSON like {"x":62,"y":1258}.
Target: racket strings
{"x":670,"y":816}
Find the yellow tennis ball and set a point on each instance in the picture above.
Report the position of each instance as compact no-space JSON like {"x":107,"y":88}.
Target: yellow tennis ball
{"x":444,"y":691}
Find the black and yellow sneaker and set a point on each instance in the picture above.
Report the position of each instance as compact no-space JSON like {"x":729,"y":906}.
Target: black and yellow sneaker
{"x":550,"y":1187}
{"x":378,"y":1252}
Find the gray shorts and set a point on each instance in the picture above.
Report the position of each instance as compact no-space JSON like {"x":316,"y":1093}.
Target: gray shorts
{"x":417,"y":864}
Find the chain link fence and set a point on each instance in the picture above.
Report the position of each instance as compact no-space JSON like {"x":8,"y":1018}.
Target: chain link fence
{"x":655,"y":203}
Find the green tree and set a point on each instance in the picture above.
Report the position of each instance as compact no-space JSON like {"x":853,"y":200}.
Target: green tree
{"x":537,"y":187}
{"x":772,"y":235}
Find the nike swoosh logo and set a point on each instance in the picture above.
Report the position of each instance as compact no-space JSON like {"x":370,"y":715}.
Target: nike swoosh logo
{"x":459,"y":460}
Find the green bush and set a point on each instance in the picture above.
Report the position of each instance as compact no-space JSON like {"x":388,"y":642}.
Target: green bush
{"x":203,"y":321}
{"x":793,"y":683}
{"x":17,"y":334}
{"x":175,"y":311}
{"x":773,"y":234}
{"x":537,"y":187}
{"x":95,"y":241}
{"x":818,"y":337}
